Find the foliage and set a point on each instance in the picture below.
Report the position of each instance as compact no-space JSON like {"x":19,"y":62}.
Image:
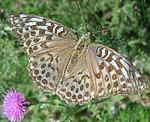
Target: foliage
{"x":122,"y":25}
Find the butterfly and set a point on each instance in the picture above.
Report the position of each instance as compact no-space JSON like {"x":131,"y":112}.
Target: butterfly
{"x":75,"y":69}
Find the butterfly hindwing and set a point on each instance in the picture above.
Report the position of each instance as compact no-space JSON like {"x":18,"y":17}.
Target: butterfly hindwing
{"x":76,"y":87}
{"x":47,"y":68}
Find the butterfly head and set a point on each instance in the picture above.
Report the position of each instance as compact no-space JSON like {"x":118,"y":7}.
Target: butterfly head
{"x":86,"y":37}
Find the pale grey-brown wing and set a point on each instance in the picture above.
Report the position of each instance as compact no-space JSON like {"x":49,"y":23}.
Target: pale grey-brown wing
{"x":48,"y":44}
{"x":115,"y":74}
{"x":37,"y":33}
{"x":76,"y":86}
{"x":47,"y":68}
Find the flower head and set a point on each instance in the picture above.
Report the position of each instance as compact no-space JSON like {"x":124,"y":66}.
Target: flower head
{"x":14,"y":105}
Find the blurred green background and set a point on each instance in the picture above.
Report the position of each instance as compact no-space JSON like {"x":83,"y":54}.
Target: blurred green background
{"x":121,"y":25}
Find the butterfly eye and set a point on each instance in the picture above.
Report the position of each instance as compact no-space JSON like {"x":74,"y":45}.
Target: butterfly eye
{"x":104,"y":31}
{"x":86,"y":37}
{"x":88,"y":34}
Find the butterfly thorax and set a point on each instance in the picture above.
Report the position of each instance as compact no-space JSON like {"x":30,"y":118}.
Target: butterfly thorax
{"x":79,"y":50}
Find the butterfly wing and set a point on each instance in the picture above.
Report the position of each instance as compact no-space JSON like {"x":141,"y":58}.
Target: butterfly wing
{"x":38,"y":33}
{"x":48,"y":45}
{"x":114,"y":73}
{"x":99,"y":72}
{"x":76,"y":86}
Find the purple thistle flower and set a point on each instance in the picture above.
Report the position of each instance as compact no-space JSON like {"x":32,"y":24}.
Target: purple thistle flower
{"x":14,"y":105}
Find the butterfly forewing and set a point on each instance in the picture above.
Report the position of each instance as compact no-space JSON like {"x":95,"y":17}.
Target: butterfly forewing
{"x":76,"y":70}
{"x":118,"y":75}
{"x":37,"y":33}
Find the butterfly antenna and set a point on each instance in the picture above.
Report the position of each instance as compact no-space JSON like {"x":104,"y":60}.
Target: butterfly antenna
{"x":81,"y":12}
{"x":82,"y":17}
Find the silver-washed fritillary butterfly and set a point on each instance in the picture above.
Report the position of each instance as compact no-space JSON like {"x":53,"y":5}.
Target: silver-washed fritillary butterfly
{"x":75,"y":69}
